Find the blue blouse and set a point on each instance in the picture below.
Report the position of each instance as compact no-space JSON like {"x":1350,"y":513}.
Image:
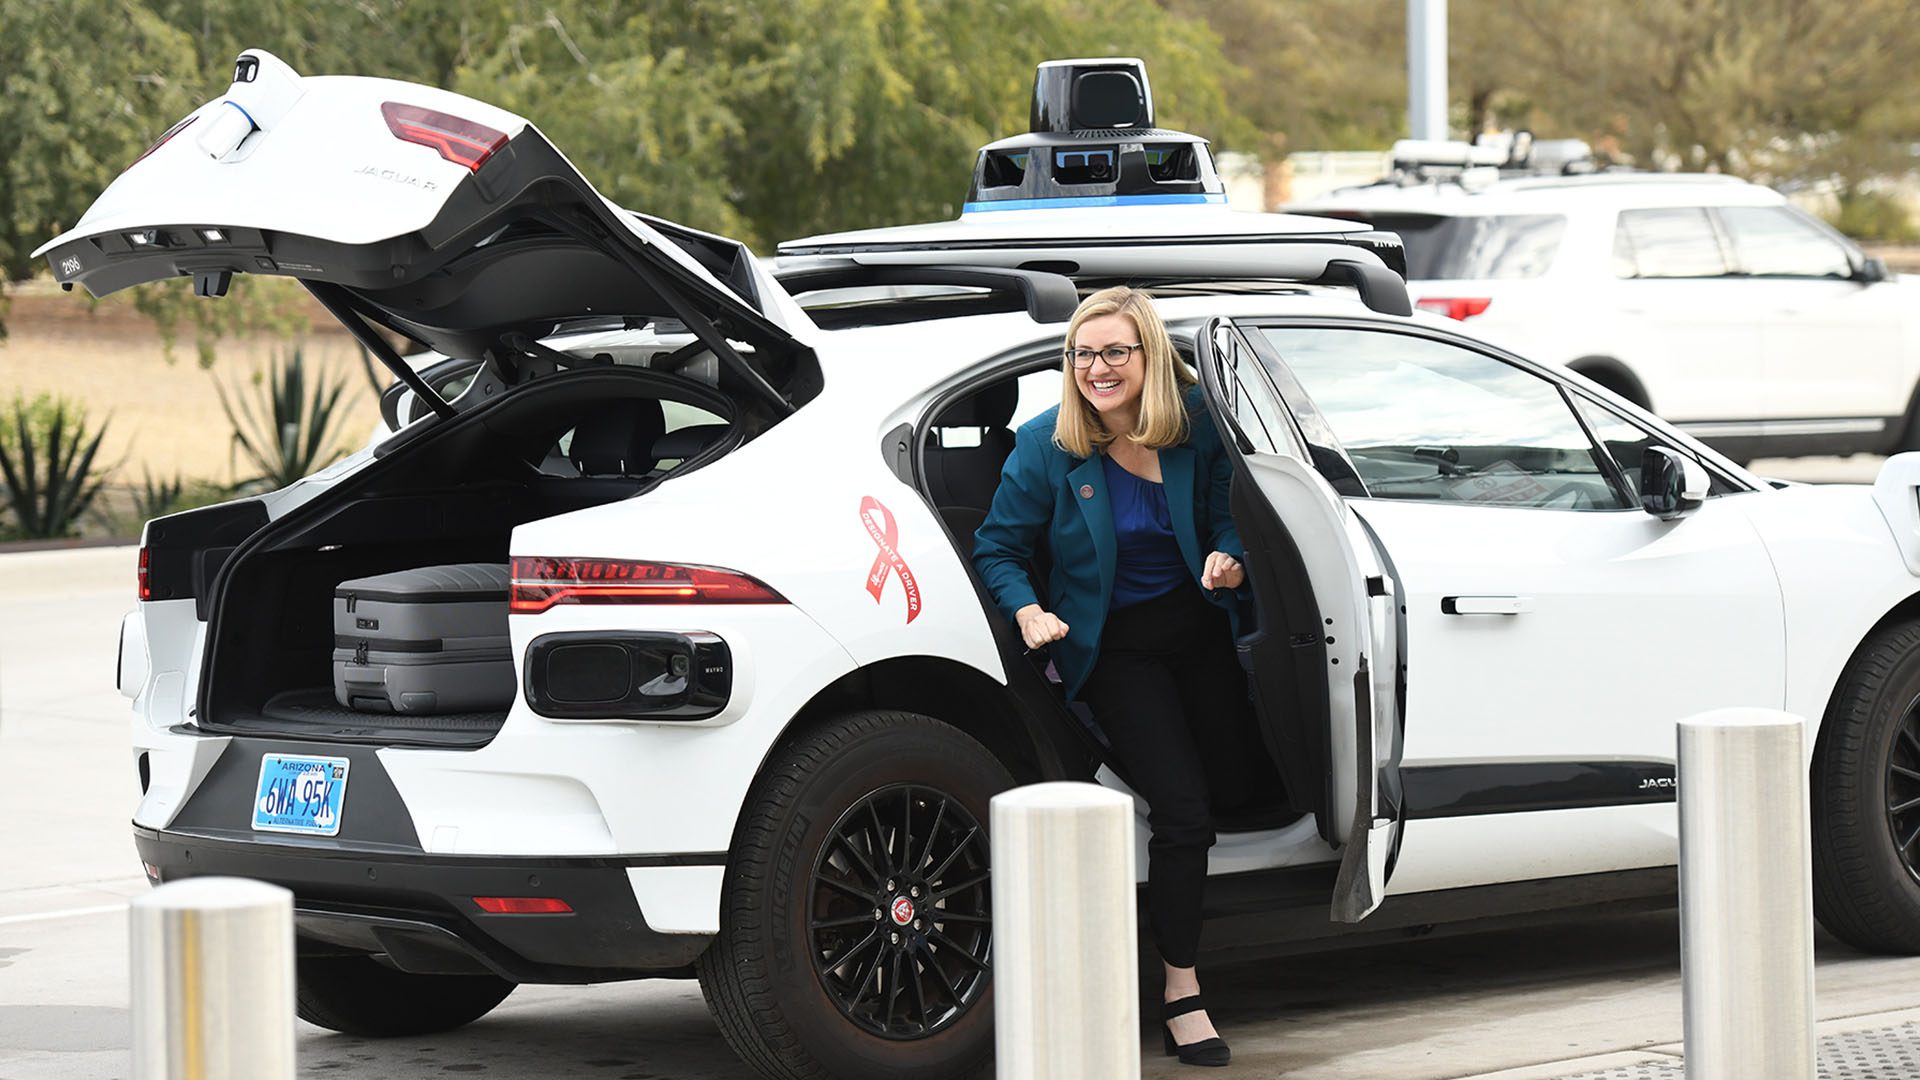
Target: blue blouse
{"x":1148,"y":562}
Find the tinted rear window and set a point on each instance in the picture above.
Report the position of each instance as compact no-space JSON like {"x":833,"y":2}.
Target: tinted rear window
{"x":1498,"y":247}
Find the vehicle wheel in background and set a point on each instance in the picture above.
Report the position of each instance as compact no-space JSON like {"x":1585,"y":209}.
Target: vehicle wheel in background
{"x":358,"y":995}
{"x":856,"y":923}
{"x":1609,"y":374}
{"x":1866,"y":798}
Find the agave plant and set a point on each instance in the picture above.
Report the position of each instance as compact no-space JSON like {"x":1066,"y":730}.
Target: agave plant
{"x":158,"y":498}
{"x":283,"y":430}
{"x":47,"y":461}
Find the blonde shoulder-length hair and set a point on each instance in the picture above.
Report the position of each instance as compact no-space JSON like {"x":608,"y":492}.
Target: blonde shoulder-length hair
{"x":1163,"y":409}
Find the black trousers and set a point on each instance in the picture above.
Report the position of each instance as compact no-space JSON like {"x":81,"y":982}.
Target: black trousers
{"x":1172,"y":699}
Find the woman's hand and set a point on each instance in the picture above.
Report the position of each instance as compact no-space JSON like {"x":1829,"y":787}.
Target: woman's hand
{"x":1222,"y":571}
{"x":1039,"y":626}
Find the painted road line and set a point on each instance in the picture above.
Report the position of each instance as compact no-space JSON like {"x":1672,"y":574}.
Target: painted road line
{"x":69,"y":913}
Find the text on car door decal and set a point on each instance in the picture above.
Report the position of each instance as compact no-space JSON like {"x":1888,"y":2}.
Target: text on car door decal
{"x":886,"y":536}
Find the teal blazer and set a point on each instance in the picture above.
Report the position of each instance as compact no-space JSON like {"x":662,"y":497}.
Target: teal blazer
{"x":1046,"y":492}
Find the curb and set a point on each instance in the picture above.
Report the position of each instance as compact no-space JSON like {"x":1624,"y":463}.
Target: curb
{"x":13,"y":547}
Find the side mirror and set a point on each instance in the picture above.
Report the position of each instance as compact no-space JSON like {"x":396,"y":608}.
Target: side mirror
{"x":1873,"y":269}
{"x":1672,"y":484}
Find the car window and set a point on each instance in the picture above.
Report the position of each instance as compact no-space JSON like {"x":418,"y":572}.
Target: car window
{"x":1429,"y":420}
{"x":1039,"y":391}
{"x":1255,"y":409}
{"x":1671,"y":242}
{"x":1773,"y":241}
{"x":1496,"y":247}
{"x":1627,"y":443}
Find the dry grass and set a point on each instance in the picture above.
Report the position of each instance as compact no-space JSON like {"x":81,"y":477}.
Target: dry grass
{"x":164,"y":417}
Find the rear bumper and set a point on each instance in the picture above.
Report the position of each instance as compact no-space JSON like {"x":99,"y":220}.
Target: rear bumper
{"x":418,"y":909}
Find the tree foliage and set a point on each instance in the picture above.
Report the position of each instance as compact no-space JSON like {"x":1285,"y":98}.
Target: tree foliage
{"x":1775,"y":90}
{"x":766,"y":119}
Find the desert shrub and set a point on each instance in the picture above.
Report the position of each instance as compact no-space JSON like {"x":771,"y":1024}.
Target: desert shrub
{"x":48,"y":461}
{"x":282,"y":430}
{"x":1875,"y":217}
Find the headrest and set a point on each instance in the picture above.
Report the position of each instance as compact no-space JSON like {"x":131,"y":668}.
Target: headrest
{"x":615,"y":438}
{"x":683,"y":443}
{"x":991,"y":406}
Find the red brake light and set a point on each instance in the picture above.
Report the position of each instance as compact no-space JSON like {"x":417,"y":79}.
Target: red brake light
{"x":146,"y":589}
{"x":523,"y":905}
{"x":1455,"y":307}
{"x":160,"y":142}
{"x":462,"y":142}
{"x":539,"y":583}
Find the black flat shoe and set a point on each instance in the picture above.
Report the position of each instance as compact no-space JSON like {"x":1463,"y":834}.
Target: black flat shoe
{"x":1205,"y":1052}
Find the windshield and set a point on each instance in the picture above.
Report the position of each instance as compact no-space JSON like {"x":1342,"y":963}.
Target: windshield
{"x":1495,"y":247}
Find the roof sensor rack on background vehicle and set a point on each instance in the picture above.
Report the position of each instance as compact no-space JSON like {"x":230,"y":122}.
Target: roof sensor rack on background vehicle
{"x":1492,"y":156}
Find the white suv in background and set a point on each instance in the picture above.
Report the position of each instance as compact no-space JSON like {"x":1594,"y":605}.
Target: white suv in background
{"x":1710,"y":300}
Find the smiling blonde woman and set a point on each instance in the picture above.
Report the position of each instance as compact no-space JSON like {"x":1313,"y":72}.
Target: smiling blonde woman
{"x":1127,"y":482}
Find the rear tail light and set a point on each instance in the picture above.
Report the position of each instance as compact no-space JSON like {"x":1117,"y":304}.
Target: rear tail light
{"x":1455,"y":307}
{"x":523,"y":905}
{"x":462,"y":142}
{"x":146,"y":588}
{"x":539,"y":583}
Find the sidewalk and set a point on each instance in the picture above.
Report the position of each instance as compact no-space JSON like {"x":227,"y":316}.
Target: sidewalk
{"x":1874,"y":1046}
{"x":1588,"y":999}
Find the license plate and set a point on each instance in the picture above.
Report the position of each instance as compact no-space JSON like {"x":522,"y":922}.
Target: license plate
{"x":300,"y":794}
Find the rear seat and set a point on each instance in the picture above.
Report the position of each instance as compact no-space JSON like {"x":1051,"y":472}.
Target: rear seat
{"x":962,"y":478}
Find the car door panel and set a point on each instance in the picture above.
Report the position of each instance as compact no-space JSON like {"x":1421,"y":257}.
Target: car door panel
{"x":1831,"y":344}
{"x":1295,"y":525}
{"x":1632,"y":623}
{"x":1686,"y":328}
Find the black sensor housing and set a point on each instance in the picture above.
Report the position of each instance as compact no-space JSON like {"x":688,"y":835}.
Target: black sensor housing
{"x":1092,"y":143}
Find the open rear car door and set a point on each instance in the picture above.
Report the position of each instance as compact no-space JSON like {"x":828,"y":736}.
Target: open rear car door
{"x":1326,"y":650}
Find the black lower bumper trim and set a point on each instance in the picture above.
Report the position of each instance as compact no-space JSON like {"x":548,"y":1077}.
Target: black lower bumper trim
{"x":418,"y":910}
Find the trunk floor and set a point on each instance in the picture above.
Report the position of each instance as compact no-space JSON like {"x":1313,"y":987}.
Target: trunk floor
{"x":316,"y":714}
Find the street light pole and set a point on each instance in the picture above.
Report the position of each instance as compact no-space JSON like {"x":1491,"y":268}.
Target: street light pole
{"x":1427,"y":69}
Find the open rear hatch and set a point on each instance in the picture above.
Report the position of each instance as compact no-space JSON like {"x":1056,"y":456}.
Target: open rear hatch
{"x":436,"y":216}
{"x":460,"y":226}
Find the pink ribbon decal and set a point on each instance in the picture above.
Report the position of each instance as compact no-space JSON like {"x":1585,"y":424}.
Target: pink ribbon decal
{"x":886,"y":536}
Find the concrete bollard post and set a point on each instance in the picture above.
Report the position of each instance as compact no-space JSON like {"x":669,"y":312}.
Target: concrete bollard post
{"x":1066,"y":968}
{"x":1746,"y":896}
{"x":213,"y":981}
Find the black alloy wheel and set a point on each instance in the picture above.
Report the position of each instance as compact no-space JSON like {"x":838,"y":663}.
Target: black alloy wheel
{"x":1903,"y":788}
{"x":855,"y":922}
{"x":902,"y":912}
{"x":1866,"y":797}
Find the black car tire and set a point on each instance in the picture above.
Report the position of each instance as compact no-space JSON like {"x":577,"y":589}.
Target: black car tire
{"x":760,"y":976}
{"x":358,"y":995}
{"x":1864,"y":892}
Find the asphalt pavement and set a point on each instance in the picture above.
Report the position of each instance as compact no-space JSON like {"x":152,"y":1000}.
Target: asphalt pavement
{"x":1574,"y":998}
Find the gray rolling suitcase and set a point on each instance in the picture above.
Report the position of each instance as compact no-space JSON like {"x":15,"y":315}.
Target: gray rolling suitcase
{"x":430,"y":640}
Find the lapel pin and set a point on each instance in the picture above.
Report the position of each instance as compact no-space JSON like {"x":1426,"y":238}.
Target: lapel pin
{"x":1086,"y":491}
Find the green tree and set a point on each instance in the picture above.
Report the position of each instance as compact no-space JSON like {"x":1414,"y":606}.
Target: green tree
{"x":85,"y":85}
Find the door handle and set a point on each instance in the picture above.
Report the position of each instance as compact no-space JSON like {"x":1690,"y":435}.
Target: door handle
{"x":1485,"y":605}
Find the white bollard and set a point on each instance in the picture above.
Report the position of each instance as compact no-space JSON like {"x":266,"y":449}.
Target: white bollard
{"x":1066,"y":1001}
{"x":1746,"y":896}
{"x":213,"y":981}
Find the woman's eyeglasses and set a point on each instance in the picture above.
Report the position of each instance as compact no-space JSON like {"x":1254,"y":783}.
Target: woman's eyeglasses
{"x":1114,"y":355}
